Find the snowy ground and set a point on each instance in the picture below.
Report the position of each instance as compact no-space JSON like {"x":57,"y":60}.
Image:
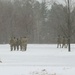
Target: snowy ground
{"x":54,"y":61}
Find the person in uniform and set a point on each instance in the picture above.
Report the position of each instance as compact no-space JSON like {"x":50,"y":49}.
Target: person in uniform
{"x":24,"y":43}
{"x":11,"y":43}
{"x":21,"y":43}
{"x":14,"y":43}
{"x":26,"y":40}
{"x":66,"y":42}
{"x":63,"y":42}
{"x":17,"y":43}
{"x":59,"y":41}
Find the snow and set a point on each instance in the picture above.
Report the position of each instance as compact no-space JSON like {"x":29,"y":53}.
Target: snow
{"x":39,"y":59}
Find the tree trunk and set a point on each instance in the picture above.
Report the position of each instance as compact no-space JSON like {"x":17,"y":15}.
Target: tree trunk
{"x":69,"y":27}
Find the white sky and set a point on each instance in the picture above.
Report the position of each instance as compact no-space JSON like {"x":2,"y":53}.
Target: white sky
{"x":60,"y":1}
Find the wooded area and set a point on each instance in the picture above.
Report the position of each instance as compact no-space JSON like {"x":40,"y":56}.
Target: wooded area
{"x":41,"y":22}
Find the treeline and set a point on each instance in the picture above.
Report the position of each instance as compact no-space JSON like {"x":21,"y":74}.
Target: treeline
{"x":39,"y":21}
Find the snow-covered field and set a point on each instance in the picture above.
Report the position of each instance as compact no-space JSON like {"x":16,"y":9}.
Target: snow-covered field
{"x":39,"y":59}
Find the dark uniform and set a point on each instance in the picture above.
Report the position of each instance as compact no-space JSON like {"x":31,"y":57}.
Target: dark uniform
{"x":17,"y":43}
{"x":11,"y":43}
{"x":21,"y":43}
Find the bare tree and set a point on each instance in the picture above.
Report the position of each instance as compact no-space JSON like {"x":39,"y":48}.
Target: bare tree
{"x":69,"y":26}
{"x":63,"y":19}
{"x":70,"y":6}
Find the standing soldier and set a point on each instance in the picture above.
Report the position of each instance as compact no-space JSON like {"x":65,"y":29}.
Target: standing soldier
{"x":59,"y":41}
{"x":66,"y":42}
{"x":14,"y":43}
{"x":24,"y":43}
{"x":21,"y":43}
{"x":63,"y":42}
{"x":26,"y":40}
{"x":11,"y":43}
{"x":17,"y":43}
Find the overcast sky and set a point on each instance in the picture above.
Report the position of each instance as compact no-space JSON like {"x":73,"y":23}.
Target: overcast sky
{"x":60,"y":1}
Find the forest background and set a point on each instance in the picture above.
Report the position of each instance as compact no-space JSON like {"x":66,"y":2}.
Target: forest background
{"x":41,"y":22}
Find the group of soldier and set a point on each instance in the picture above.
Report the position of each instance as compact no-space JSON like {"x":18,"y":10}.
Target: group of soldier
{"x":62,"y":42}
{"x":18,"y":43}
